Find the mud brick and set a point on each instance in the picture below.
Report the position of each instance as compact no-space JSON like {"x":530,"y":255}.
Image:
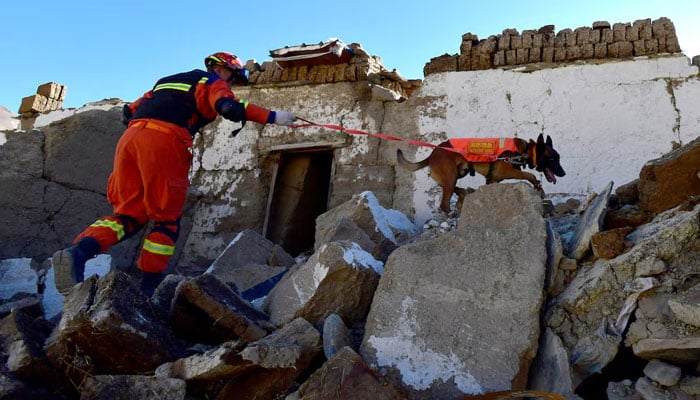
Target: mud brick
{"x":53,"y":104}
{"x":559,"y":54}
{"x":62,"y":96}
{"x":548,"y":40}
{"x":548,"y":54}
{"x":538,"y":41}
{"x":672,"y":45}
{"x":658,"y":28}
{"x":485,"y":61}
{"x":276,"y":75}
{"x":253,"y":78}
{"x":582,"y":35}
{"x":516,"y":42}
{"x":560,"y":39}
{"x":626,"y":49}
{"x":632,"y":33}
{"x":499,"y":59}
{"x":573,"y":53}
{"x":639,"y":48}
{"x":643,"y":28}
{"x":504,"y":40}
{"x":285,"y":75}
{"x":50,"y":90}
{"x":570,"y":38}
{"x":521,"y":56}
{"x":302,"y":72}
{"x":350,"y":73}
{"x":464,"y":62}
{"x":600,"y":25}
{"x":619,"y":32}
{"x":651,"y":46}
{"x":614,"y":50}
{"x":338,"y":72}
{"x":33,"y":104}
{"x":527,"y":39}
{"x":606,"y":36}
{"x":466,"y":47}
{"x":600,"y":51}
{"x":321,"y":74}
{"x":511,"y":58}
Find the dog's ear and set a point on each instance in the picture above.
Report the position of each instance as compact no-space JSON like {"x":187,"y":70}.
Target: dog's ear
{"x":540,"y":147}
{"x":540,"y":141}
{"x":549,"y":141}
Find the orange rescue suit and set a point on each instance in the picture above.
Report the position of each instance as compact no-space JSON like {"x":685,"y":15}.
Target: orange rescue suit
{"x":152,"y":160}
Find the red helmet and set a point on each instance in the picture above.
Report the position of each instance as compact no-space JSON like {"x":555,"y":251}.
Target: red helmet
{"x":239,"y":75}
{"x":228,"y":60}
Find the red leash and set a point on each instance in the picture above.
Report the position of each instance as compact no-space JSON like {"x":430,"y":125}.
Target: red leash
{"x":358,"y":132}
{"x":377,"y":135}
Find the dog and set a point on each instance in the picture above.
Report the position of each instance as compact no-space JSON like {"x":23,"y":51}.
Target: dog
{"x":494,"y":158}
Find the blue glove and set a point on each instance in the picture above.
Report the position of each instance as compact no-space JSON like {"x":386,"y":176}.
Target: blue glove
{"x":284,"y":118}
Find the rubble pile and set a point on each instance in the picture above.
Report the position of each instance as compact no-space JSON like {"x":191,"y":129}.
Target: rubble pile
{"x":383,"y":309}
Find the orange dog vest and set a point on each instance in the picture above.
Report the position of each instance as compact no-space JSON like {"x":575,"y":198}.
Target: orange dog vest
{"x":484,"y":149}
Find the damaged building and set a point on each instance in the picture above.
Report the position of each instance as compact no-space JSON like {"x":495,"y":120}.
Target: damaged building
{"x":603,"y":277}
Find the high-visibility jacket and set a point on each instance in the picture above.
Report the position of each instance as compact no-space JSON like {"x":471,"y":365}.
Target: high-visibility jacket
{"x":188,"y":100}
{"x":484,"y":150}
{"x":152,"y":160}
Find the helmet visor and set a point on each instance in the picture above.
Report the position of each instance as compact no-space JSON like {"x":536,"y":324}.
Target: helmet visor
{"x":239,"y":77}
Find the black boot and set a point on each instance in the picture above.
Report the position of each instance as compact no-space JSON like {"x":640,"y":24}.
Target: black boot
{"x":69,"y":264}
{"x":150,"y":282}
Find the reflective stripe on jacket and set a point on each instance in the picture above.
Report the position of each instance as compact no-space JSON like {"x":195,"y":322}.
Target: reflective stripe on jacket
{"x":188,"y":100}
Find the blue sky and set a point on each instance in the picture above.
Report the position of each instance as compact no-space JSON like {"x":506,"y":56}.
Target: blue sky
{"x":120,"y":48}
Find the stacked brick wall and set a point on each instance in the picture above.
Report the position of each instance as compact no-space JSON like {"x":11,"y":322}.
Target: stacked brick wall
{"x":599,"y":42}
{"x":48,"y":97}
{"x":361,"y":67}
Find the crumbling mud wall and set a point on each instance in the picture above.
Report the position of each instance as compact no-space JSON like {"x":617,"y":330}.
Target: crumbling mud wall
{"x":362,"y":66}
{"x":600,"y":41}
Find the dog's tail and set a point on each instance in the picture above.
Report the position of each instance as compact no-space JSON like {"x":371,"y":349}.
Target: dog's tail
{"x":403,"y":162}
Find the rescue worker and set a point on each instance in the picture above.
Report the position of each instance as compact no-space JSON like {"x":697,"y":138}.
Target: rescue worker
{"x":151,"y":163}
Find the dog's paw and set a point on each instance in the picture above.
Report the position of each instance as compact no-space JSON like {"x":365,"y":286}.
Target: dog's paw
{"x":538,"y":187}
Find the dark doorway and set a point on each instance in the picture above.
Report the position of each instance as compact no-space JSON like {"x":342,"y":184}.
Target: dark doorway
{"x":301,"y":184}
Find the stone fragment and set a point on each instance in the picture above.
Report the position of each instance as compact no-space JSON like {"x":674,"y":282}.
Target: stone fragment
{"x":664,"y":373}
{"x":346,"y":376}
{"x":206,"y":310}
{"x":132,"y":387}
{"x":335,"y":335}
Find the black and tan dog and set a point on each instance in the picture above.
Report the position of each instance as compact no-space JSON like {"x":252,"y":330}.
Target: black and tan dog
{"x":494,"y":158}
